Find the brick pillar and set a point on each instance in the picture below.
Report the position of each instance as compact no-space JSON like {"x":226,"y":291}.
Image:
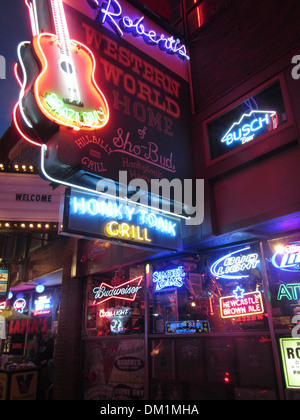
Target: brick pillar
{"x":67,"y":351}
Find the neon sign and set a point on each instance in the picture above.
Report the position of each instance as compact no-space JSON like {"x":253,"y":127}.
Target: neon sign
{"x":290,"y":291}
{"x":117,"y":318}
{"x":111,"y":13}
{"x":71,"y":116}
{"x":246,"y":304}
{"x":126,"y":231}
{"x":168,"y":278}
{"x":42,"y":306}
{"x":187,"y":327}
{"x":231,"y":266}
{"x":125,"y":291}
{"x":66,"y":66}
{"x":106,"y":208}
{"x":19,"y":305}
{"x":248,"y":131}
{"x":287,"y":258}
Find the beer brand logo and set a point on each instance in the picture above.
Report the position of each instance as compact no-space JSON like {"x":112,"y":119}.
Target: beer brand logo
{"x":287,"y":258}
{"x":235,"y":265}
{"x":125,"y":291}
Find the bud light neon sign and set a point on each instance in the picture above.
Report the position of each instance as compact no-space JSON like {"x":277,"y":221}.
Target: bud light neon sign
{"x":287,"y":258}
{"x":233,"y":266}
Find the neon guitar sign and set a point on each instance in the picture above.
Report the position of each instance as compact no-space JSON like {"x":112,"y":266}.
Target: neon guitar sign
{"x":64,"y":91}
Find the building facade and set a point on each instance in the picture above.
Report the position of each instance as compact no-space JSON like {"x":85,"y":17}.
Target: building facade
{"x":217,"y":317}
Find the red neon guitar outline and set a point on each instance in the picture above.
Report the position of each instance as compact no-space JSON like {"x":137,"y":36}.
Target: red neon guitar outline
{"x":64,"y":91}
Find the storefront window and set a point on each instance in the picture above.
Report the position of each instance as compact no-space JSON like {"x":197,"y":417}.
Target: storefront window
{"x":215,"y":292}
{"x":283,"y":265}
{"x":115,"y":303}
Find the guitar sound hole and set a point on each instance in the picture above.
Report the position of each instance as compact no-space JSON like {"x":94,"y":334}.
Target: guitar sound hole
{"x":67,"y":68}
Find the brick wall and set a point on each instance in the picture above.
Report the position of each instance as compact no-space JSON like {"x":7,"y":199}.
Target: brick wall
{"x":59,"y":255}
{"x":67,"y":351}
{"x":242,"y":40}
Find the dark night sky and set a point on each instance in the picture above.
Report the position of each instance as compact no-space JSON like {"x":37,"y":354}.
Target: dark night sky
{"x":14,"y":27}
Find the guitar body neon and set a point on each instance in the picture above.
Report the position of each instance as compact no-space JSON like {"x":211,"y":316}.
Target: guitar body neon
{"x":58,"y":87}
{"x":55,"y":91}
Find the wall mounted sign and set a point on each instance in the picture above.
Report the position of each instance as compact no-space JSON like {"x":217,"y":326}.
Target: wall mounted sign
{"x":287,"y":258}
{"x":187,"y":327}
{"x":111,"y":13}
{"x":19,"y":305}
{"x":260,"y":114}
{"x":4,"y":278}
{"x":92,"y":216}
{"x":64,"y":92}
{"x":290,"y":353}
{"x":27,"y":197}
{"x":243,"y":305}
{"x":168,"y":278}
{"x":257,"y":121}
{"x":122,"y":109}
{"x":42,"y":305}
{"x":125,"y":291}
{"x":289,"y":291}
{"x":235,"y":265}
{"x":117,"y":317}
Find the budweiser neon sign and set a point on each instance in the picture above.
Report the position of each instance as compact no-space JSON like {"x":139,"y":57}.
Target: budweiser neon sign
{"x":287,"y":258}
{"x":125,"y":291}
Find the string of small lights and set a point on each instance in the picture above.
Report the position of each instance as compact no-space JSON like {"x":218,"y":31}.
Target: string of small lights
{"x":28,"y":226}
{"x":18,"y":168}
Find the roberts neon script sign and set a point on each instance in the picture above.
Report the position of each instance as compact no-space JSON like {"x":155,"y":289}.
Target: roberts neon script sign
{"x":125,"y":291}
{"x":247,"y":132}
{"x":111,"y":12}
{"x":235,"y":265}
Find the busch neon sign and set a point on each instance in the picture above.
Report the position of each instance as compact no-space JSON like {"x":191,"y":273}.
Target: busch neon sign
{"x":241,"y":304}
{"x":247,"y":132}
{"x":168,"y":278}
{"x":287,"y":258}
{"x":125,"y":291}
{"x":231,"y":266}
{"x":111,"y":12}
